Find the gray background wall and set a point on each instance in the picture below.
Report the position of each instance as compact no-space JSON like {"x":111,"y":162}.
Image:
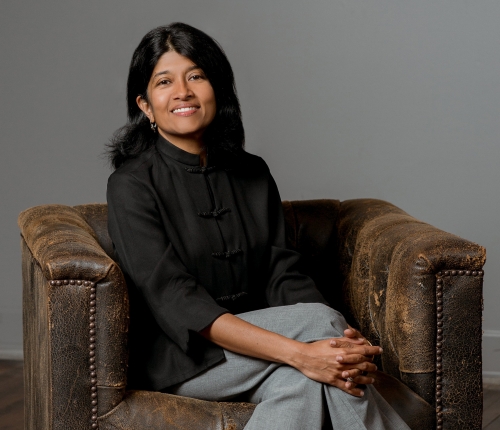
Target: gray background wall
{"x":397,"y":100}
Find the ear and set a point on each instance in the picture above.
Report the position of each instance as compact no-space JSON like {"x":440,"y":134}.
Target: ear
{"x":145,"y":107}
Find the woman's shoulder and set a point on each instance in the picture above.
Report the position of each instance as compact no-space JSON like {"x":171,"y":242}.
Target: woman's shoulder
{"x":135,"y":169}
{"x":249,"y":163}
{"x":136,"y":164}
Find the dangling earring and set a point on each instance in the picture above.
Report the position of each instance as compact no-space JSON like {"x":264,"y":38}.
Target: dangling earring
{"x":153,"y":126}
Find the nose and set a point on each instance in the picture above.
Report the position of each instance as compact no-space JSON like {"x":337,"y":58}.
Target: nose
{"x":182,"y":91}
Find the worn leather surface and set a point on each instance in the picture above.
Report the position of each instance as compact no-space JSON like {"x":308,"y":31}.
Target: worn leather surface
{"x":387,"y":263}
{"x":96,"y":216}
{"x":38,"y":410}
{"x":112,"y":321}
{"x":461,"y":390}
{"x":152,"y":410}
{"x":371,"y":260}
{"x":63,"y":244}
{"x":60,"y":246}
{"x":414,"y":410}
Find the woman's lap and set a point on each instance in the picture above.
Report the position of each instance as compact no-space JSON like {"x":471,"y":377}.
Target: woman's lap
{"x":251,"y":379}
{"x":305,"y":322}
{"x":238,"y":373}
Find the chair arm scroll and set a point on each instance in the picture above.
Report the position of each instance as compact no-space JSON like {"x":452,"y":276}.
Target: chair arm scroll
{"x":63,"y":244}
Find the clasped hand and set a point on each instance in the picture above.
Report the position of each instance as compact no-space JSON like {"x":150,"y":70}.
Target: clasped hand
{"x":332,"y":361}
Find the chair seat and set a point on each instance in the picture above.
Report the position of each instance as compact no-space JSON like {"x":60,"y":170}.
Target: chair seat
{"x":153,"y":410}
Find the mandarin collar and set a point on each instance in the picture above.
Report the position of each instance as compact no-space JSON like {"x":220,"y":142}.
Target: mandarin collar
{"x":170,"y":150}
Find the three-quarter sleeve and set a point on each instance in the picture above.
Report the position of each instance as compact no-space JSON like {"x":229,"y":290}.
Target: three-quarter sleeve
{"x":286,"y":285}
{"x":177,"y":301}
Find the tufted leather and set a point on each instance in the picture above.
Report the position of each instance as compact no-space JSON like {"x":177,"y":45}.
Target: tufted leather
{"x":63,"y":244}
{"x":96,"y":216}
{"x":410,"y":287}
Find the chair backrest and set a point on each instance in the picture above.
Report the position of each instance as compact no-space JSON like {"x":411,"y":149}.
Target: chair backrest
{"x":96,"y":216}
{"x":311,"y":229}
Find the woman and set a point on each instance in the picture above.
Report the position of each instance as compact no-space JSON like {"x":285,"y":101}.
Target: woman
{"x":218,"y":309}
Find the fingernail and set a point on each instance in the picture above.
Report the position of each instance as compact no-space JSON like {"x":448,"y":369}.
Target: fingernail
{"x":362,"y":393}
{"x":360,"y":338}
{"x":345,"y":374}
{"x":381,"y":350}
{"x":339,"y":358}
{"x":333,"y":343}
{"x":376,"y":367}
{"x":373,"y":380}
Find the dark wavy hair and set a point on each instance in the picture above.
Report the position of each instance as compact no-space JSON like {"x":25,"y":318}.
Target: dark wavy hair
{"x":224,"y":135}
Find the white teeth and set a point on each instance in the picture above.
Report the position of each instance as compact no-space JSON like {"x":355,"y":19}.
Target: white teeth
{"x":186,"y":109}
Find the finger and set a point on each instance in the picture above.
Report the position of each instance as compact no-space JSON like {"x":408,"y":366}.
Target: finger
{"x":372,"y":350}
{"x":365,"y":366}
{"x":353,"y":333}
{"x":355,"y":377}
{"x":364,"y":380}
{"x":346,"y":386}
{"x":350,"y":332}
{"x":351,"y":373}
{"x":367,"y":351}
{"x":343,"y":342}
{"x":351,"y":388}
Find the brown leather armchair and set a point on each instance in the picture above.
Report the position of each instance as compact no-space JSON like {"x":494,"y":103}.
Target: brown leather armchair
{"x":409,"y":287}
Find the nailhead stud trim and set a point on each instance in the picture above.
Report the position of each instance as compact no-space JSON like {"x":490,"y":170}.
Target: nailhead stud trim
{"x":92,"y":346}
{"x":92,"y":343}
{"x":439,"y":336}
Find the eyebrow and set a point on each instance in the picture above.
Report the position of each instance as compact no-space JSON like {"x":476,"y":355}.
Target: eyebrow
{"x":166,"y":72}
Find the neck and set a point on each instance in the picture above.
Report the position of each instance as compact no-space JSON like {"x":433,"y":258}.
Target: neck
{"x":193,"y":145}
{"x":203,"y":156}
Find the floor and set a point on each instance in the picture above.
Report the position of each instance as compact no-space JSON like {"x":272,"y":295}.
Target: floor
{"x":11,"y":395}
{"x":491,"y":407}
{"x":11,"y":399}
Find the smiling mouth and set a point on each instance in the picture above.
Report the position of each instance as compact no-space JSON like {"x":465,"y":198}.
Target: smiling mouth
{"x":185,"y":109}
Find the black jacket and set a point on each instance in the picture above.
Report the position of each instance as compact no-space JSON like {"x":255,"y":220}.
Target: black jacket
{"x":194,"y":243}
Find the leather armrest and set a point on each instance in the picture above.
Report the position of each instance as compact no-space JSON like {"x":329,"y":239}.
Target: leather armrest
{"x":63,"y":244}
{"x":416,"y":291}
{"x":75,"y":320}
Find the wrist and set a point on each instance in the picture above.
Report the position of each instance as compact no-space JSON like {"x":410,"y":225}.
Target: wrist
{"x":296,"y":354}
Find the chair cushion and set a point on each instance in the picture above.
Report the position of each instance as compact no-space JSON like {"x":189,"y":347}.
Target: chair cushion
{"x":154,"y":410}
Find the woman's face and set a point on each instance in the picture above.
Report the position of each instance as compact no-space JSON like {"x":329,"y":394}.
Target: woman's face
{"x":181,"y":100}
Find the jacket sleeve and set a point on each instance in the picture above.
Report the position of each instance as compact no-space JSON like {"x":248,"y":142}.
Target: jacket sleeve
{"x":179,"y":304}
{"x":286,"y":285}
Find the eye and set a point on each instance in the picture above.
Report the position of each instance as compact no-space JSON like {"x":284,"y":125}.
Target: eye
{"x":196,"y":77}
{"x":164,"y":82}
